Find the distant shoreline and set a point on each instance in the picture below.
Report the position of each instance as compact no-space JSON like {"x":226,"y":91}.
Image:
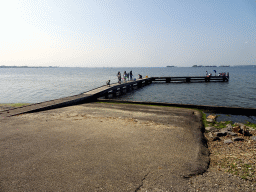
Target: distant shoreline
{"x":194,"y":66}
{"x":3,"y":66}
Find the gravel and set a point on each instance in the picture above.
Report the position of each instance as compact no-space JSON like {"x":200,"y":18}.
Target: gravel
{"x":232,"y":166}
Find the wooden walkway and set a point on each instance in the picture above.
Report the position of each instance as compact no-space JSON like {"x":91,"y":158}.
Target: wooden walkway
{"x":191,"y":79}
{"x":103,"y":91}
{"x":89,"y":96}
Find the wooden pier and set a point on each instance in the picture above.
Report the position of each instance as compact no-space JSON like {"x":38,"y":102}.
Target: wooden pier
{"x":92,"y":95}
{"x":189,"y":79}
{"x":104,"y":91}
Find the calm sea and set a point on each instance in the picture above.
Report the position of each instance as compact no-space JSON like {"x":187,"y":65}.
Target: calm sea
{"x":32,"y":85}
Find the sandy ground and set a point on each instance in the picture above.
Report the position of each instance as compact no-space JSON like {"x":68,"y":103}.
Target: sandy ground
{"x":102,"y":147}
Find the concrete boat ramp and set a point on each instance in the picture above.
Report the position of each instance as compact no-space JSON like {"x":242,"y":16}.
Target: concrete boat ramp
{"x":102,"y":147}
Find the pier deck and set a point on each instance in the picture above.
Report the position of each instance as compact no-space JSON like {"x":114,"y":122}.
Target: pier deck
{"x":103,"y":91}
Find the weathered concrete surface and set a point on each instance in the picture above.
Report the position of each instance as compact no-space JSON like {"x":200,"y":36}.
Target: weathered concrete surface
{"x":102,"y":147}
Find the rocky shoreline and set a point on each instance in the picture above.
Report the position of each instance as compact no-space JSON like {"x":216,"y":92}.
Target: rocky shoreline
{"x":232,"y":158}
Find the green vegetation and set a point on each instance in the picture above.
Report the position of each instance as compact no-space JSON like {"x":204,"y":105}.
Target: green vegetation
{"x":249,"y":124}
{"x":203,"y":118}
{"x":218,"y":125}
{"x":237,"y":167}
{"x":221,"y":125}
{"x":13,"y":104}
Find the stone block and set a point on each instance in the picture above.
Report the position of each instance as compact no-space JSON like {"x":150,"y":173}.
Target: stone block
{"x":220,"y":134}
{"x":231,"y":133}
{"x":225,"y":130}
{"x":228,"y":141}
{"x":253,"y":138}
{"x":229,"y":126}
{"x":210,"y":120}
{"x":236,"y":129}
{"x":211,"y":117}
{"x":210,"y":128}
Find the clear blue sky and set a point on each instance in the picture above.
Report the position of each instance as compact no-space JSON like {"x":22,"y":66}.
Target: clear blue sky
{"x":127,"y":33}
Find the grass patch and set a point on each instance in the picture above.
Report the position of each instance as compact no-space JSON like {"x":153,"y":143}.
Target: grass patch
{"x":219,"y":125}
{"x":203,"y":118}
{"x":237,"y":167}
{"x":13,"y":104}
{"x":249,"y":124}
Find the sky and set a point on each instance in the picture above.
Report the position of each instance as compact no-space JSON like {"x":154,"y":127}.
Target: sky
{"x":127,"y":33}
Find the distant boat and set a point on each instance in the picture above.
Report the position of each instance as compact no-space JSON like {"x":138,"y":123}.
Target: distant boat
{"x":170,"y":66}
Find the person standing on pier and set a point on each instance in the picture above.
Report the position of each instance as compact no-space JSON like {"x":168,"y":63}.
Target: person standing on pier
{"x":130,"y":75}
{"x":119,"y":77}
{"x":125,"y":76}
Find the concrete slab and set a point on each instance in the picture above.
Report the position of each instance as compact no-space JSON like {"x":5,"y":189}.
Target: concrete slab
{"x":102,"y":147}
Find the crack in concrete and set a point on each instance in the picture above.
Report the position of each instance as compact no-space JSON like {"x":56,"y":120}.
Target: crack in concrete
{"x":138,"y":188}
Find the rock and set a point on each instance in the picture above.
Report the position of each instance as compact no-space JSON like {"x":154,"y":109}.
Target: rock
{"x":228,"y":141}
{"x":253,"y":138}
{"x":229,"y":126}
{"x":231,"y":133}
{"x":236,"y":129}
{"x":210,"y":128}
{"x":210,"y":135}
{"x":243,"y":126}
{"x":220,"y":134}
{"x":224,"y":130}
{"x":251,"y":128}
{"x":238,"y":139}
{"x":241,"y":131}
{"x":210,"y":120}
{"x":246,"y":132}
{"x":216,"y":139}
{"x":213,"y":117}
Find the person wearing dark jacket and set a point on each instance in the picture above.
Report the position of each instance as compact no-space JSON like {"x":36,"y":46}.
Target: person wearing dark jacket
{"x":119,"y":77}
{"x":130,"y":75}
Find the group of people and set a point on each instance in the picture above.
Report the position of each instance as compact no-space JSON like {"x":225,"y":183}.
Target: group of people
{"x":126,"y":76}
{"x":208,"y":75}
{"x":220,"y":74}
